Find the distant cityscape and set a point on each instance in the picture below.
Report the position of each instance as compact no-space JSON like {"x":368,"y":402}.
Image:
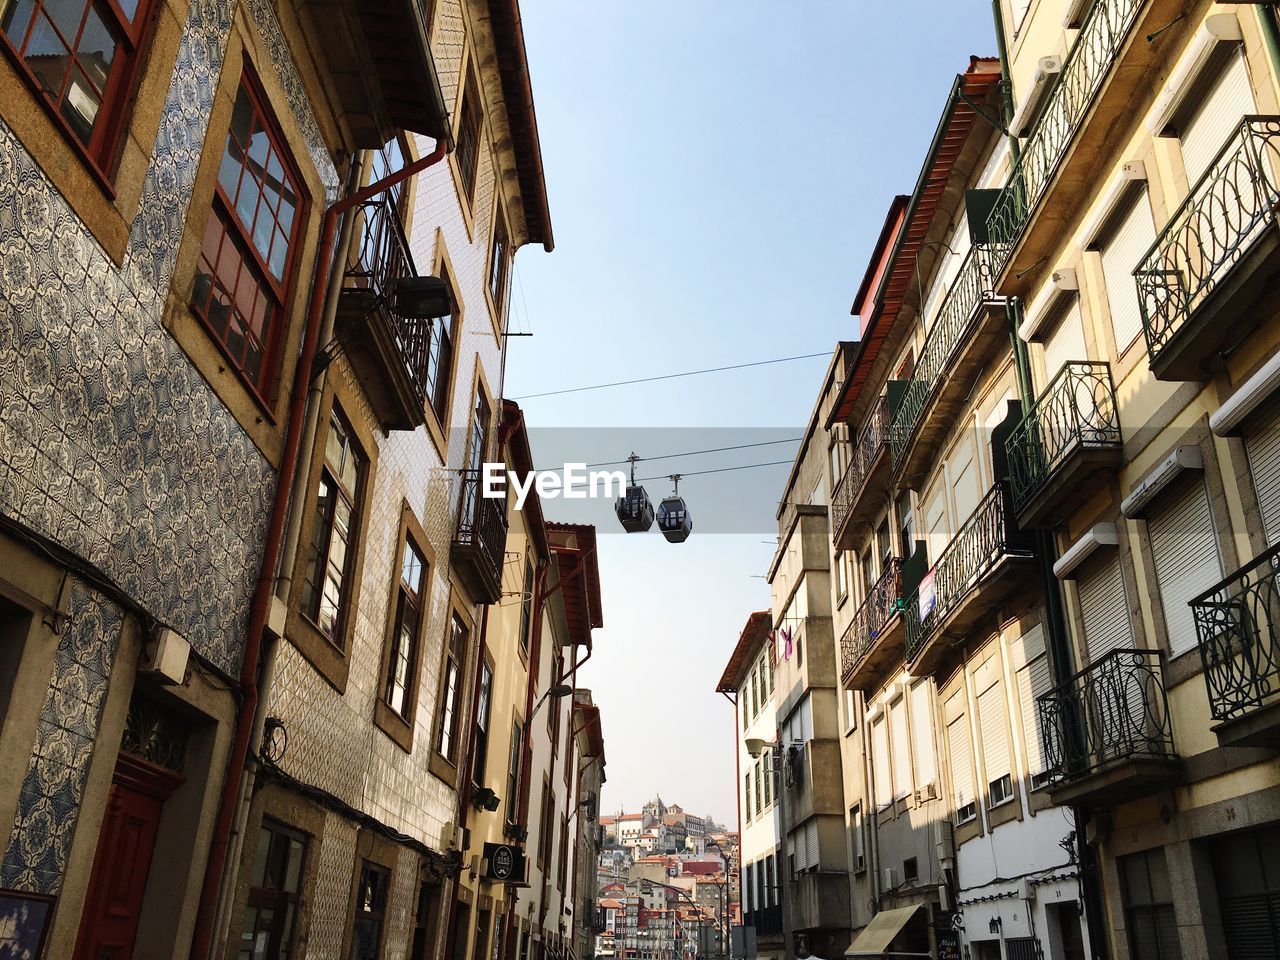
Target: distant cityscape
{"x":667,"y":884}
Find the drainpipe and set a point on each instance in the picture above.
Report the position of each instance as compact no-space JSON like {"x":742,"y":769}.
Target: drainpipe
{"x":737,"y":779}
{"x":202,"y":938}
{"x":1006,"y":80}
{"x":288,"y":554}
{"x":1271,"y":35}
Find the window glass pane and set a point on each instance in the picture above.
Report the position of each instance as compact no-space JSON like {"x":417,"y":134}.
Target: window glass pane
{"x":15,"y":20}
{"x":96,"y":50}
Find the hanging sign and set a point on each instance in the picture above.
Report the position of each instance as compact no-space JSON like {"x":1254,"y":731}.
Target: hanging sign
{"x":503,"y":863}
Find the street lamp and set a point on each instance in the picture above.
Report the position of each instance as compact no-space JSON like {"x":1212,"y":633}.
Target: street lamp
{"x":697,"y":909}
{"x":724,"y":901}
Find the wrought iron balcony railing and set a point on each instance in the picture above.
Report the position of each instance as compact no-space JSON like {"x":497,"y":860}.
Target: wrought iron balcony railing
{"x":1101,"y":36}
{"x":481,"y":537}
{"x":865,"y":451}
{"x":1114,"y":709}
{"x":882,"y":603}
{"x":1238,"y":623}
{"x":972,"y":287}
{"x":987,"y":537}
{"x":1227,"y":209}
{"x":1077,"y":411}
{"x":383,"y":257}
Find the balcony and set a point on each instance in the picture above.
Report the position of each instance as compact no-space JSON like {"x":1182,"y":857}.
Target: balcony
{"x":481,"y":538}
{"x":969,"y":323}
{"x":820,"y":901}
{"x":1067,"y":446}
{"x":388,"y":352}
{"x":985,"y":562}
{"x":867,"y":475}
{"x":377,"y":66}
{"x":1076,"y":132}
{"x":873,"y":638}
{"x":1199,"y":285}
{"x":1238,"y":623}
{"x":1106,"y":732}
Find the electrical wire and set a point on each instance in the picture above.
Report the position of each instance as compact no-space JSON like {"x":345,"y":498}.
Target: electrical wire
{"x":698,"y":473}
{"x":674,"y":376}
{"x":688,"y":453}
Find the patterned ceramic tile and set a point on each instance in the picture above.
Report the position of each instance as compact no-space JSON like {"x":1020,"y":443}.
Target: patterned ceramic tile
{"x":50,"y":796}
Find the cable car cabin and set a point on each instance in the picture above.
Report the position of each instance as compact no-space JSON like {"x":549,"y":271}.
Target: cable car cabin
{"x":634,"y":510}
{"x":674,"y":520}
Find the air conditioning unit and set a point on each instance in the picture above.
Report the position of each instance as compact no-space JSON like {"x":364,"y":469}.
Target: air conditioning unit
{"x":165,"y":658}
{"x":890,"y":878}
{"x":944,"y":840}
{"x":928,"y":792}
{"x":1047,"y":70}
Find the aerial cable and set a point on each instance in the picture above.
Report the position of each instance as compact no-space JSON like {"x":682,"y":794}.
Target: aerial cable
{"x":698,"y":473}
{"x":674,"y":376}
{"x":687,"y":453}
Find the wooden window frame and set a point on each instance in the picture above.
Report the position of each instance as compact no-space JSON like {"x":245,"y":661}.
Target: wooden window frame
{"x":278,"y":899}
{"x":482,"y":733}
{"x":281,"y":292}
{"x":498,"y":267}
{"x":439,"y":764}
{"x":468,"y":128}
{"x":400,"y":726}
{"x":380,"y":916}
{"x":515,"y":769}
{"x":101,"y":155}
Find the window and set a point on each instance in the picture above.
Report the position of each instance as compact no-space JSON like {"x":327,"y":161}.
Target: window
{"x":440,"y":352}
{"x":961,"y":758}
{"x":526,"y":604}
{"x":404,"y":633}
{"x":899,"y":749}
{"x":1034,"y":681}
{"x":906,"y":527}
{"x":759,"y":791}
{"x":242,"y":277}
{"x":1185,"y":548}
{"x":910,"y":870}
{"x":883,"y":788}
{"x":755,"y":691}
{"x":484,"y":709}
{"x":746,"y":795}
{"x":371,"y":905}
{"x":451,"y":699}
{"x":922,"y":744}
{"x":513,"y":771}
{"x":267,"y":933}
{"x":993,"y":722}
{"x":545,"y":824}
{"x":326,"y":591}
{"x":768,"y":778}
{"x":1148,"y":906}
{"x":1130,"y":235}
{"x":467,"y":140}
{"x":83,"y":56}
{"x":857,"y":840}
{"x":842,"y":576}
{"x":499,"y":261}
{"x":387,"y":160}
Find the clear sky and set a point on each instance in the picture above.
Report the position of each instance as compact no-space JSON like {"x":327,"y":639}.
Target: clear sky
{"x":718,"y":171}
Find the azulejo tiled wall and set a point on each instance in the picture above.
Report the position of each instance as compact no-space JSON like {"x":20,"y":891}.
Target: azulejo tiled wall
{"x":111,"y":444}
{"x":49,"y":803}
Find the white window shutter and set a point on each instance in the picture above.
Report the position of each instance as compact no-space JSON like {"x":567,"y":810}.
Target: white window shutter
{"x":880,"y":761}
{"x":1103,"y":607}
{"x":1180,"y":530}
{"x":922,"y":742}
{"x":900,"y":748}
{"x":960,"y":753}
{"x":1263,"y":445}
{"x":1133,"y":235}
{"x":1225,"y":104}
{"x":992,"y":720}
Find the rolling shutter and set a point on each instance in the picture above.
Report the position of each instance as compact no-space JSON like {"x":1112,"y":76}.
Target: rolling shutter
{"x":1103,"y":608}
{"x":900,"y":748}
{"x":965,"y":487}
{"x":922,"y":734}
{"x":1034,"y":679}
{"x":1263,"y":445}
{"x":1219,"y":112}
{"x":1132,"y":236}
{"x":880,"y":762}
{"x":1066,"y":341}
{"x":958,"y":747}
{"x":935,"y":524}
{"x":1185,"y":548}
{"x":994,"y":725}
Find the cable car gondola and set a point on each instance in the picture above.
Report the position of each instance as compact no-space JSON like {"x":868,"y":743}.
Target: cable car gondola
{"x":634,"y":508}
{"x":674,"y":519}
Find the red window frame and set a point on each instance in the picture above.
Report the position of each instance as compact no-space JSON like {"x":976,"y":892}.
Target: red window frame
{"x":131,"y":34}
{"x":226,"y":226}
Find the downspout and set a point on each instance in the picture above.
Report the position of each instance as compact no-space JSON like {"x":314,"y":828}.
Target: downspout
{"x":1270,"y":27}
{"x":289,"y":550}
{"x":1059,"y":642}
{"x":202,"y":938}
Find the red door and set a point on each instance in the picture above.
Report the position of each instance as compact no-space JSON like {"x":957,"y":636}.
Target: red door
{"x":113,"y":902}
